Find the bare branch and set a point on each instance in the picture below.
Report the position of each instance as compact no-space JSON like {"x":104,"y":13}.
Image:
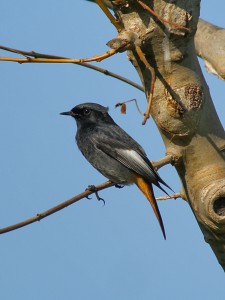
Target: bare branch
{"x":108,"y":14}
{"x":29,"y":59}
{"x":57,"y":208}
{"x":83,"y":64}
{"x":151,"y":90}
{"x":174,"y":196}
{"x":111,"y":74}
{"x":29,"y":53}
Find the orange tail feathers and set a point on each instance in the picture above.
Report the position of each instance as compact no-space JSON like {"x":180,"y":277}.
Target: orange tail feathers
{"x":147,"y":190}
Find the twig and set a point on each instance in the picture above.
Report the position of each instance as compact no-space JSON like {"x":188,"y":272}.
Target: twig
{"x":123,"y":106}
{"x":86,"y":65}
{"x":56,"y":208}
{"x":160,"y":18}
{"x":151,"y":90}
{"x":106,"y":11}
{"x":29,"y":53}
{"x":97,"y":58}
{"x":175,"y":196}
{"x":114,"y":75}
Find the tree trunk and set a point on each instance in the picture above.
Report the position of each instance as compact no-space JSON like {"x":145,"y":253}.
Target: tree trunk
{"x":182,"y":107}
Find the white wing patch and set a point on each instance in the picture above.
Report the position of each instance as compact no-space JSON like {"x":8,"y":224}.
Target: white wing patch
{"x":134,"y":161}
{"x":136,"y":158}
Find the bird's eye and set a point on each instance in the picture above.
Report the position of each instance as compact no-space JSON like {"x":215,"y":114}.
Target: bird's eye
{"x":86,"y":111}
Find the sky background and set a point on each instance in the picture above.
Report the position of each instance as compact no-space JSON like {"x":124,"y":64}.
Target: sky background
{"x":86,"y":251}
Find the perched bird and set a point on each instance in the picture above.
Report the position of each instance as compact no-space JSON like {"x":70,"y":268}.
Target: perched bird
{"x":114,"y":153}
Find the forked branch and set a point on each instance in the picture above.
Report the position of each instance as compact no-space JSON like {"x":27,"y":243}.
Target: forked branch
{"x":83,"y":64}
{"x":29,"y":59}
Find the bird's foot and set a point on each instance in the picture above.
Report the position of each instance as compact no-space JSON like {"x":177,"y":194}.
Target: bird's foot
{"x":93,"y":189}
{"x":119,"y":186}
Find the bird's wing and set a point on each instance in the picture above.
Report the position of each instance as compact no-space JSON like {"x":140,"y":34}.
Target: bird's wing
{"x":119,"y":145}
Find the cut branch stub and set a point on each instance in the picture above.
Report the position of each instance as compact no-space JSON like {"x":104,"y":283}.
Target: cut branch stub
{"x":124,"y":41}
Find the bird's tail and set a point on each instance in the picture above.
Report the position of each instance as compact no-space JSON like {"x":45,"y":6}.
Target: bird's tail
{"x":147,"y":190}
{"x":164,"y":183}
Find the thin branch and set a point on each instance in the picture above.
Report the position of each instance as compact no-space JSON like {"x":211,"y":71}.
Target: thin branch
{"x":160,"y":18}
{"x":124,"y":106}
{"x":97,"y":58}
{"x":56,"y":208}
{"x":108,"y":14}
{"x":114,"y":75}
{"x":29,"y":53}
{"x":153,"y":78}
{"x":175,"y":196}
{"x":86,"y":65}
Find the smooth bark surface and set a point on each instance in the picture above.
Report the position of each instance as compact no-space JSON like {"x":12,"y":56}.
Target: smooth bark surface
{"x":209,"y":44}
{"x":182,"y":107}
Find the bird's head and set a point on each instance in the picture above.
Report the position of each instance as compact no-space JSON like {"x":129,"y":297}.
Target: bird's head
{"x":87,"y":113}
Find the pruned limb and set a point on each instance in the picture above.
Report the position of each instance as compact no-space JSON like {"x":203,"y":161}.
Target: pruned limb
{"x":57,"y":208}
{"x":166,"y":160}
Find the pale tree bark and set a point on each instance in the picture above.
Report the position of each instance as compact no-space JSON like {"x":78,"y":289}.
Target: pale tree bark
{"x":209,"y":44}
{"x":182,"y":107}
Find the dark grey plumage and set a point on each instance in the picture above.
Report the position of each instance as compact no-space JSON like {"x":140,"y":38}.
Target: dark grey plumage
{"x":114,"y":153}
{"x":109,"y":148}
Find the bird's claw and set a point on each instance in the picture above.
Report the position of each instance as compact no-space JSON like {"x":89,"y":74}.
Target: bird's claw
{"x":119,"y":186}
{"x":92,"y":188}
{"x":88,"y":189}
{"x":99,"y":198}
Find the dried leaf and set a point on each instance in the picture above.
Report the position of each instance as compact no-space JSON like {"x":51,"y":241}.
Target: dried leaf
{"x":123,"y":108}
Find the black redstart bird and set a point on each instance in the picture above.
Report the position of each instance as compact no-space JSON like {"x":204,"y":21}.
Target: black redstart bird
{"x":114,"y":153}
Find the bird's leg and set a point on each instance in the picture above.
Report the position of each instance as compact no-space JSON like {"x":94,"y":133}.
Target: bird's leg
{"x":93,"y":189}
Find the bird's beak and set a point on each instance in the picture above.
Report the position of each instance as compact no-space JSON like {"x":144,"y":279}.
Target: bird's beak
{"x":67,"y":113}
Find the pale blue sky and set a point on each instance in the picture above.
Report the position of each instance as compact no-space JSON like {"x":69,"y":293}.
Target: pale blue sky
{"x":86,"y":251}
